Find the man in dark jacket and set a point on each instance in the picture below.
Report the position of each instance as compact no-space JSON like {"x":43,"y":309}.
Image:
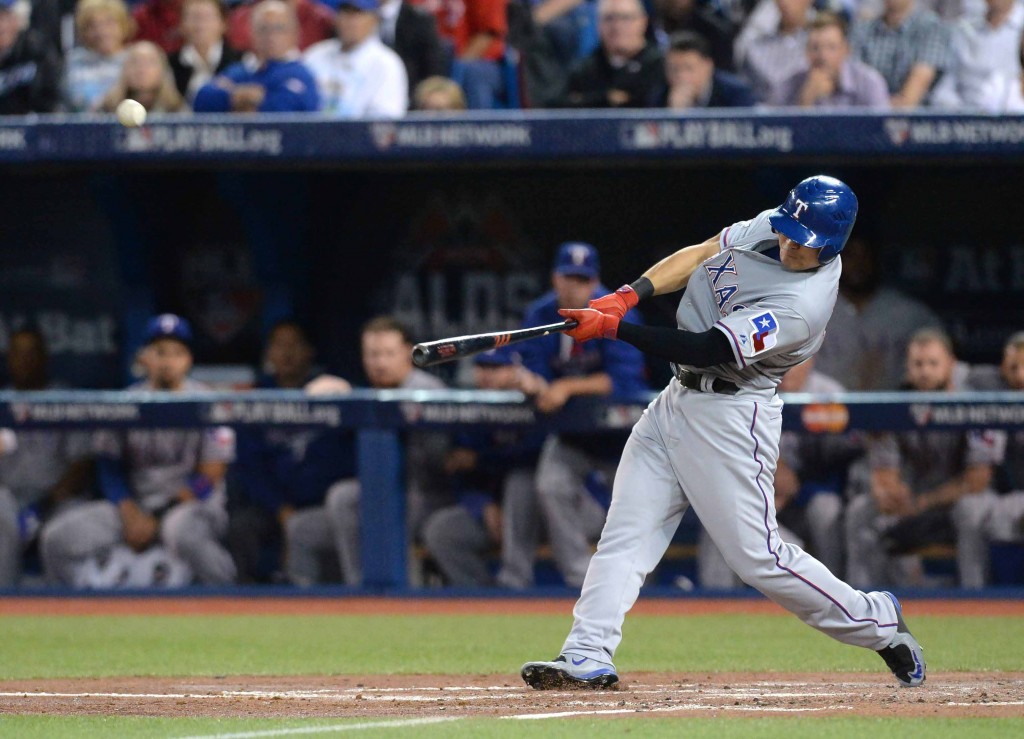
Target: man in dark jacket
{"x":691,"y":80}
{"x":624,"y":70}
{"x":281,"y":471}
{"x":412,"y":33}
{"x":29,"y":67}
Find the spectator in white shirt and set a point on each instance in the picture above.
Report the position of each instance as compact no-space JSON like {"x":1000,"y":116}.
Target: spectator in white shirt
{"x":986,"y":70}
{"x":358,"y":76}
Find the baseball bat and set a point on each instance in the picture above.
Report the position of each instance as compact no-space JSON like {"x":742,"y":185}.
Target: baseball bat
{"x":457,"y":347}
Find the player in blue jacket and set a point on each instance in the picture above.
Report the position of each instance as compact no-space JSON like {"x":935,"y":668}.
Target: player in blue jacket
{"x":281,"y":470}
{"x":575,"y":470}
{"x":271,"y":79}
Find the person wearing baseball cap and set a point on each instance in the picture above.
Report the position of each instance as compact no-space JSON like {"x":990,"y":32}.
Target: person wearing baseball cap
{"x":485,"y":467}
{"x":358,"y":76}
{"x":556,"y":369}
{"x":167,"y":352}
{"x":160,"y":486}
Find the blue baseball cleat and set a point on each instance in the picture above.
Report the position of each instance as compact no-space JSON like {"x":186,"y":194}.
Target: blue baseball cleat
{"x":569,"y":672}
{"x":904,"y":655}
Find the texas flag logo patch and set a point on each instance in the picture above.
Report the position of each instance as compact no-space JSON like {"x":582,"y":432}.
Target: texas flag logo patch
{"x":765,"y":332}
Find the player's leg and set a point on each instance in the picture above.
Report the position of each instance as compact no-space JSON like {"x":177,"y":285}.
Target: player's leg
{"x":647,"y":505}
{"x":521,"y":529}
{"x":561,"y":474}
{"x":192,"y":531}
{"x":10,"y":540}
{"x":250,"y":529}
{"x":732,"y":492}
{"x":970,"y":516}
{"x":867,"y":563}
{"x":459,"y":544}
{"x":825,"y":521}
{"x":734,"y":499}
{"x":308,"y":538}
{"x":75,"y":535}
{"x":342,"y":505}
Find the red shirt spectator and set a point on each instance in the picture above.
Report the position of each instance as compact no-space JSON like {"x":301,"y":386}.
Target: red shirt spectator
{"x":159,"y":21}
{"x":316,"y":23}
{"x":462,"y":20}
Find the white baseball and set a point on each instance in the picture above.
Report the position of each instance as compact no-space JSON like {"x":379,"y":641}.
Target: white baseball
{"x":131,"y":113}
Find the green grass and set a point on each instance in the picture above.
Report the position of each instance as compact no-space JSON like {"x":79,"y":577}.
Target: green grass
{"x":46,"y":727}
{"x":70,"y":646}
{"x":59,"y":646}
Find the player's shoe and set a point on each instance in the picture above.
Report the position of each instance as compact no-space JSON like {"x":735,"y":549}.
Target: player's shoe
{"x":904,"y":655}
{"x":569,"y":672}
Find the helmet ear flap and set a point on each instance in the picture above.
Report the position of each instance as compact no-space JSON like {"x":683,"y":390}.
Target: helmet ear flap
{"x":828,"y":253}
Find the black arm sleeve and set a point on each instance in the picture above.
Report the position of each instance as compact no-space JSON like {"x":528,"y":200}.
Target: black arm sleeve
{"x":704,"y":349}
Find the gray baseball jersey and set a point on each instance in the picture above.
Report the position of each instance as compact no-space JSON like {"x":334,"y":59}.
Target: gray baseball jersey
{"x":160,"y":461}
{"x":774,"y":317}
{"x":718,"y":453}
{"x":866,"y":349}
{"x":39,"y":462}
{"x":927,"y":459}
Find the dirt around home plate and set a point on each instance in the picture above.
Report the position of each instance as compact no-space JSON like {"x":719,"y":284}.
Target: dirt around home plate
{"x":466,"y":696}
{"x":462,"y":696}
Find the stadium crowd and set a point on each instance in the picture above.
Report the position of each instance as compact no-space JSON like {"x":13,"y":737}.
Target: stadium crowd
{"x":166,"y":507}
{"x":380,"y":58}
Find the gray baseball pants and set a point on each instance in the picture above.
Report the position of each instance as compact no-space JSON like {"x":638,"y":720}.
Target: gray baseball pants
{"x":571,"y":515}
{"x":717,"y":453}
{"x":980,"y":519}
{"x":190,"y":531}
{"x":10,"y":540}
{"x":460,"y":544}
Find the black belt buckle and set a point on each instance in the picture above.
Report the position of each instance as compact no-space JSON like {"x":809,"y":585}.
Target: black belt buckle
{"x":692,"y":381}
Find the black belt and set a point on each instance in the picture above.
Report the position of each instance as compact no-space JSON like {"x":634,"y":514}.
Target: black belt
{"x":692,"y":380}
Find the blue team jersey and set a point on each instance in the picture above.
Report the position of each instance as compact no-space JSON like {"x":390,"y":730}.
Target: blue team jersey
{"x":546,"y":357}
{"x":289,"y":84}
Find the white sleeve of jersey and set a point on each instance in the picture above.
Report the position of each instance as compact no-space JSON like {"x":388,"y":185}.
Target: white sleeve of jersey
{"x":761,"y":331}
{"x":747,"y":233}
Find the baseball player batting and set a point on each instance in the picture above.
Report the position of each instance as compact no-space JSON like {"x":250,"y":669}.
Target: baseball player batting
{"x":758,"y":297}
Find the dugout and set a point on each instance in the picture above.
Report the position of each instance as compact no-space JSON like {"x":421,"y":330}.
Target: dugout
{"x":451,"y":222}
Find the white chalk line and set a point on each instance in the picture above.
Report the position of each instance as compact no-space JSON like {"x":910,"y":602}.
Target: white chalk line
{"x":331,"y":728}
{"x":448,"y":695}
{"x":674,"y":709}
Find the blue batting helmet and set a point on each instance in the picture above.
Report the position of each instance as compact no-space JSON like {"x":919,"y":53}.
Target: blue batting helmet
{"x":818,"y":213}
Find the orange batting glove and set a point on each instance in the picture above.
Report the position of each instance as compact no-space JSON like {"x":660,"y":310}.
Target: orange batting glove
{"x":593,"y":324}
{"x":617,"y":303}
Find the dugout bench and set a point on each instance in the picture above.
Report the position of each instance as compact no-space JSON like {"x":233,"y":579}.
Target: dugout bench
{"x":377,"y":417}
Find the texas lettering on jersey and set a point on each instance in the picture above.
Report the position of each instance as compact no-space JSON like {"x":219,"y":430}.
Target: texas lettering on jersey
{"x":723,"y":280}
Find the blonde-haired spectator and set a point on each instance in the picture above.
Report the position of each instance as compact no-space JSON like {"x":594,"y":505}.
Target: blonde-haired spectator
{"x":93,"y":67}
{"x":146,"y":77}
{"x":438,"y":94}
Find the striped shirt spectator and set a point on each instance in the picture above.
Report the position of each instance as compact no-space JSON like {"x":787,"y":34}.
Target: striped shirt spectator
{"x":910,"y":47}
